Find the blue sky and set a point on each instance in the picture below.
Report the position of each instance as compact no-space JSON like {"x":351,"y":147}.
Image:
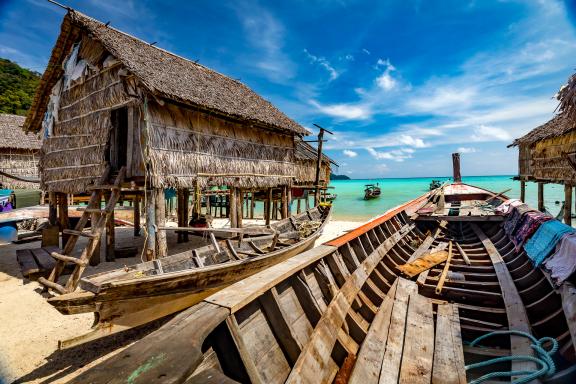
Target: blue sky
{"x":402,"y":84}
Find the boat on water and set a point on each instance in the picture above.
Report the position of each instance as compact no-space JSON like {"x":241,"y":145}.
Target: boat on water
{"x":371,"y":191}
{"x":400,"y":299}
{"x":134,"y":295}
{"x":435,"y":184}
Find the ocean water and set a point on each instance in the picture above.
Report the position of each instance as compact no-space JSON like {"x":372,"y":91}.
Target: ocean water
{"x":350,"y":204}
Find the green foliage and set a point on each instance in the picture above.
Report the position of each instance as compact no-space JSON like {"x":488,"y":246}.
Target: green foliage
{"x":338,"y":177}
{"x":17,"y":87}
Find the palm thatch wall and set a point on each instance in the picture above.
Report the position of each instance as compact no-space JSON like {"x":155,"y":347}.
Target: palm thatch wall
{"x":306,"y":158}
{"x":18,"y":153}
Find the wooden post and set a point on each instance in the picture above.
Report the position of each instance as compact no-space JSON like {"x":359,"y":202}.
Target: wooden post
{"x":456,"y":167}
{"x":52,"y":208}
{"x":541,"y":197}
{"x":289,"y":198}
{"x":252,"y":203}
{"x":318,"y":166}
{"x":568,"y":204}
{"x":110,"y":235}
{"x":268,"y":206}
{"x":284,"y":202}
{"x":186,"y":212}
{"x":239,"y":207}
{"x":150,"y":221}
{"x":522,"y":190}
{"x":137,"y":214}
{"x":298,"y":205}
{"x":233,"y":210}
{"x":63,"y":216}
{"x":179,"y":214}
{"x":160,"y":216}
{"x":95,"y":259}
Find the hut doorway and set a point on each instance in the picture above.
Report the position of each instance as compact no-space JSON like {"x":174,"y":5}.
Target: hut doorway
{"x":119,"y":139}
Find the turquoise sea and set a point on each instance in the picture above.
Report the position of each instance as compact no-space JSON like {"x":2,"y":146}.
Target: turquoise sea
{"x":350,"y":204}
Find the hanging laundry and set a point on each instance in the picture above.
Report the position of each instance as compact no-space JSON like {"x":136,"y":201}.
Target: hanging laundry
{"x":562,"y":263}
{"x":514,"y":219}
{"x":506,"y":207}
{"x":545,"y":239}
{"x":529,"y":223}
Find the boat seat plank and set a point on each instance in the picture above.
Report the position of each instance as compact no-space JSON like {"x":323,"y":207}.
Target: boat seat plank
{"x":418,"y":352}
{"x":448,"y":366}
{"x":515,"y":310}
{"x":390,"y":370}
{"x":369,"y":360}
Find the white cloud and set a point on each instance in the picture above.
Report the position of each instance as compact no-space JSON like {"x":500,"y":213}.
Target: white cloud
{"x":412,"y":141}
{"x":466,"y":150}
{"x":366,"y":51}
{"x":398,"y":155}
{"x":349,"y":153}
{"x":349,"y":57}
{"x":344,"y":111}
{"x":385,"y":81}
{"x":321,"y":61}
{"x":488,"y":133}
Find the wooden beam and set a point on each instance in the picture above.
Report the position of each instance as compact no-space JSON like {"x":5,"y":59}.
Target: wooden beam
{"x":110,"y":235}
{"x":448,"y":352}
{"x":567,"y":204}
{"x":268,"y":204}
{"x":239,"y":207}
{"x":522,"y":190}
{"x":515,"y":310}
{"x":541,"y":197}
{"x":492,"y":218}
{"x":63,"y":216}
{"x":94,"y":217}
{"x":284,"y":202}
{"x":233,"y":209}
{"x":150,"y":228}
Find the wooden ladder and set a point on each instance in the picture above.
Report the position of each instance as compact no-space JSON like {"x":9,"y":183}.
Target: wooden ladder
{"x":98,"y":223}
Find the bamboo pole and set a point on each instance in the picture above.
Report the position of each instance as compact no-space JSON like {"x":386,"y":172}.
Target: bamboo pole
{"x":160,"y":220}
{"x":110,"y":234}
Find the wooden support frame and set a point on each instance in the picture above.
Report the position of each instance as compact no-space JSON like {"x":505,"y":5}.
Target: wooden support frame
{"x":94,"y":217}
{"x":150,"y":229}
{"x":268,"y":206}
{"x":137,"y":224}
{"x":284,"y":202}
{"x":63,"y":219}
{"x":233,"y":209}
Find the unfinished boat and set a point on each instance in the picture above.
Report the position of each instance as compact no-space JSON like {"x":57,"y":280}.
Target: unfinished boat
{"x":134,"y":295}
{"x":344,"y":311}
{"x":371,"y":191}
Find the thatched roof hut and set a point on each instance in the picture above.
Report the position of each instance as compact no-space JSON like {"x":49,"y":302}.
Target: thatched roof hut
{"x":18,"y":153}
{"x":306,"y":157}
{"x":109,"y":98}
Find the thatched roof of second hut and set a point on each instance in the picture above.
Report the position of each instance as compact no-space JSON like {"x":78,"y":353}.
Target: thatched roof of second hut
{"x":13,"y":137}
{"x":557,"y":126}
{"x":162,"y":73}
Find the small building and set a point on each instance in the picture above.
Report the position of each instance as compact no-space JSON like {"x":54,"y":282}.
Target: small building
{"x":19,"y":153}
{"x":306,"y":157}
{"x":108,"y":100}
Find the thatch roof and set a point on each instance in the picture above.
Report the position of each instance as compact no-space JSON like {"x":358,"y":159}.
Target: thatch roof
{"x":163,"y":74}
{"x":557,"y":126}
{"x":305,"y":151}
{"x":12,"y":136}
{"x":567,"y":97}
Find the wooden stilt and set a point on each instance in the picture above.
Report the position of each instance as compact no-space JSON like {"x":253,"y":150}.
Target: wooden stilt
{"x":179,"y":214}
{"x":307,"y":201}
{"x":289,"y":200}
{"x":186,"y":212}
{"x":52,"y":208}
{"x":284,"y":213}
{"x":568,"y":204}
{"x":94,"y":217}
{"x":252,"y":204}
{"x":274,"y":210}
{"x":110,"y":235}
{"x":239,"y":207}
{"x":150,"y":229}
{"x":522,"y":190}
{"x":233,"y":210}
{"x":541,"y":197}
{"x":299,"y":200}
{"x":137,"y":215}
{"x":268,"y":205}
{"x":63,"y":216}
{"x":160,"y":216}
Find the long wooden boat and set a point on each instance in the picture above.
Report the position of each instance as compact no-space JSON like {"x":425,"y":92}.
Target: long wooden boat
{"x":371,"y":191}
{"x":342,"y":312}
{"x":134,"y":295}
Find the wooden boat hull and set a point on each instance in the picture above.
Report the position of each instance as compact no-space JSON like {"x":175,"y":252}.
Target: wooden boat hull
{"x":341,"y":313}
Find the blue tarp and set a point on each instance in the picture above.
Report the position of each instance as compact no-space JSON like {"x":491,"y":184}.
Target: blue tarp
{"x":545,"y":239}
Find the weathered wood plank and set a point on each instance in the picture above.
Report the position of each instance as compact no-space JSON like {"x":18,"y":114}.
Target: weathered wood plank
{"x":423,"y":263}
{"x":390,"y":369}
{"x":448,"y":364}
{"x":418,"y":353}
{"x":515,"y":310}
{"x":369,"y":360}
{"x":491,"y":218}
{"x":28,"y":265}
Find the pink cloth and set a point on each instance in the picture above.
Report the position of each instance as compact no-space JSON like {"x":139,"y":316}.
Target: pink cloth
{"x":562,"y":263}
{"x":505,"y":207}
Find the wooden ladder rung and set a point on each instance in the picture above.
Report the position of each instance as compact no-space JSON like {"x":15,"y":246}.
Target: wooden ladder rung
{"x":53,"y":285}
{"x":68,"y":259}
{"x":78,"y":233}
{"x":104,"y":186}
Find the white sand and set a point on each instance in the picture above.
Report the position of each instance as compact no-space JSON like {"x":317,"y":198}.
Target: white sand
{"x":30,"y":327}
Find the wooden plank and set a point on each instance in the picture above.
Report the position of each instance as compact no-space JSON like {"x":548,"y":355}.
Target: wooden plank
{"x":515,"y":310}
{"x":490,"y":218}
{"x":448,"y":364}
{"x":28,"y":264}
{"x":43,"y":259}
{"x":423,"y":263}
{"x":369,"y":360}
{"x":444,"y":271}
{"x":462,"y":253}
{"x":390,"y":370}
{"x":418,"y":353}
{"x":316,"y":355}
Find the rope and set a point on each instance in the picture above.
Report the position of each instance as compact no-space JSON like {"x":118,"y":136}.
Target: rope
{"x":543,"y":358}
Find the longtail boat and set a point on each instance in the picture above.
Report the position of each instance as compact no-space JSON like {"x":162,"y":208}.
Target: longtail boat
{"x":344,"y":311}
{"x":371,"y":191}
{"x":131,"y":296}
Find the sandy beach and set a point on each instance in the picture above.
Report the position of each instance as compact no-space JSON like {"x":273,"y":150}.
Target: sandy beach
{"x":31,"y":328}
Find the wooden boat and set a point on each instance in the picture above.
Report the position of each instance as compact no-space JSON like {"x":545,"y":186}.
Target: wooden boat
{"x":435,"y":184}
{"x":372,"y":191}
{"x":342,"y":312}
{"x":134,"y":295}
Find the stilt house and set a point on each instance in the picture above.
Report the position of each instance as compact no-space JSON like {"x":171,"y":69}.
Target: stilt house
{"x":306,"y":164}
{"x":110,"y":100}
{"x":18,"y":154}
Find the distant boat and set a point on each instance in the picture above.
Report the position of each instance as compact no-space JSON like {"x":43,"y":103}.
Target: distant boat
{"x":330,"y":197}
{"x":435,"y":184}
{"x":371,"y":191}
